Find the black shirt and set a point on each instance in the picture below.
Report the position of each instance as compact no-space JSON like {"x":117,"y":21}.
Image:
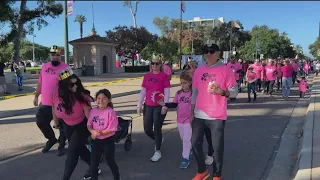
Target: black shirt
{"x":2,"y":66}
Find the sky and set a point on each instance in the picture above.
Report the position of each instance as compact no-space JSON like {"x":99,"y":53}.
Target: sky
{"x":299,"y":19}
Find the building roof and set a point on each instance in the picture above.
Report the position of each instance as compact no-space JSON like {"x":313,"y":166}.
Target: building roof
{"x":92,"y":38}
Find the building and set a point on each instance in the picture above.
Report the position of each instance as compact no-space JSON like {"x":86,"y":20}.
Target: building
{"x":197,"y":21}
{"x":97,"y":52}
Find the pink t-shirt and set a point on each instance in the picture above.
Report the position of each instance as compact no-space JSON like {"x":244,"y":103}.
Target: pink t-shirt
{"x":250,"y":76}
{"x":77,"y":115}
{"x":215,"y":106}
{"x":287,"y":71}
{"x":49,"y":78}
{"x":295,"y":67}
{"x":303,"y":86}
{"x":306,"y":67}
{"x":270,"y":72}
{"x":235,"y":67}
{"x":167,"y":69}
{"x":103,"y":119}
{"x":154,"y":84}
{"x":184,"y":106}
{"x":258,"y":70}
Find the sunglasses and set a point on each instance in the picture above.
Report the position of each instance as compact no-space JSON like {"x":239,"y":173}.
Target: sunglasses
{"x":210,"y":49}
{"x":155,"y":63}
{"x":73,"y":84}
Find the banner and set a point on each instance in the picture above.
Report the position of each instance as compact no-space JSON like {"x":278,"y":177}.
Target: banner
{"x":70,"y":7}
{"x":118,"y":64}
{"x":197,"y":58}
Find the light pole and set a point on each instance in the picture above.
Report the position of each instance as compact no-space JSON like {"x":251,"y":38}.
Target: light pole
{"x":33,"y":56}
{"x":66,"y":43}
{"x":192,"y":26}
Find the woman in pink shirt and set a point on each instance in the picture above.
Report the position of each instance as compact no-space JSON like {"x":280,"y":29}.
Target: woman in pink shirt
{"x":155,"y":85}
{"x":252,"y":80}
{"x":287,"y":71}
{"x":306,"y":67}
{"x":258,"y":70}
{"x":212,"y":84}
{"x":279,"y":76}
{"x":271,"y":73}
{"x":103,"y":124}
{"x":72,"y":106}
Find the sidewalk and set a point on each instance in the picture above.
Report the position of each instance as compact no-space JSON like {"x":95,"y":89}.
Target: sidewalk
{"x":308,"y":164}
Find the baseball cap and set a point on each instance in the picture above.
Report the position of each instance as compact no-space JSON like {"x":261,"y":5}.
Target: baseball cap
{"x":210,"y":48}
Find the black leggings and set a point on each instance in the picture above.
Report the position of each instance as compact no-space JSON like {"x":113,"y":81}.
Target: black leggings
{"x":207,"y":133}
{"x":77,"y":136}
{"x":269,"y":86}
{"x":152,"y":123}
{"x":106,"y":146}
{"x":217,"y":134}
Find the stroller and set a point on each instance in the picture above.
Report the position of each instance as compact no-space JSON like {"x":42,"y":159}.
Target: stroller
{"x":124,"y":132}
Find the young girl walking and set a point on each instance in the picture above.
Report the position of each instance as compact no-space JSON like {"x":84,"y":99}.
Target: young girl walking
{"x":102,"y":124}
{"x":303,"y":86}
{"x":182,"y":100}
{"x":252,"y":80}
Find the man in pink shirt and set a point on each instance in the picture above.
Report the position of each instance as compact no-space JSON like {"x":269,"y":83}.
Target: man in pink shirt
{"x":236,"y":67}
{"x":212,"y":84}
{"x":47,"y":85}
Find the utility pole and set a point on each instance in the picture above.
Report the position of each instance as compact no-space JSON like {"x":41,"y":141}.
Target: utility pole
{"x":257,"y":42}
{"x":33,"y":56}
{"x":66,"y":41}
{"x":180,"y":53}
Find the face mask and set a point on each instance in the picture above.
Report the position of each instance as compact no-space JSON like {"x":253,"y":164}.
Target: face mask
{"x":55,"y":63}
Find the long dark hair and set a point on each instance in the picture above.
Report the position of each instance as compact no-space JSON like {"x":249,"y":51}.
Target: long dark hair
{"x":107,"y":93}
{"x":68,"y":96}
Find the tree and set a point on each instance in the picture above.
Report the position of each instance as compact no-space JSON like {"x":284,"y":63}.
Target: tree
{"x":6,"y":53}
{"x":80,"y":19}
{"x":164,"y":47}
{"x":273,"y":44}
{"x":130,"y":39}
{"x":313,"y":48}
{"x":23,"y":21}
{"x":128,"y":4}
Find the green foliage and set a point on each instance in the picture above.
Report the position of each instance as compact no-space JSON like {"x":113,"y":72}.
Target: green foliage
{"x":164,"y":47}
{"x":313,"y":48}
{"x":80,"y":19}
{"x":130,"y":39}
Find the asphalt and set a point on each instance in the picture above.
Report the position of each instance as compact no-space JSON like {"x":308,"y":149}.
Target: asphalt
{"x":252,"y":136}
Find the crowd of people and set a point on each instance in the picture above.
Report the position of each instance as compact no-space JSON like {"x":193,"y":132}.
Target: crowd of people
{"x":201,"y":104}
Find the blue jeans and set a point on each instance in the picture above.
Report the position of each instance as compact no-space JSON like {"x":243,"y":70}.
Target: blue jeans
{"x":19,"y":80}
{"x":286,"y":85}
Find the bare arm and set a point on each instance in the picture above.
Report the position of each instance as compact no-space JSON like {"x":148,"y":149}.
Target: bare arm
{"x":86,"y":110}
{"x":38,"y":90}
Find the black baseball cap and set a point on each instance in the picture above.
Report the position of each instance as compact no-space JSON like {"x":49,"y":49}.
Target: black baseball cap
{"x":210,"y":48}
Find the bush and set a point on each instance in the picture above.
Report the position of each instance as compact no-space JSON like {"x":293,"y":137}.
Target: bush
{"x":136,"y":68}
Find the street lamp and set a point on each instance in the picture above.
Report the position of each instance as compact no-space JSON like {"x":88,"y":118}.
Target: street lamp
{"x":192,"y":26}
{"x":33,"y":56}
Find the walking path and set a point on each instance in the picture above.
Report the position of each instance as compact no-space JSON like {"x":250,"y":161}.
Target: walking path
{"x":253,"y":133}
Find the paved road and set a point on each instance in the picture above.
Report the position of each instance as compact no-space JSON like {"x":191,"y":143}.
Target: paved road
{"x":252,"y":134}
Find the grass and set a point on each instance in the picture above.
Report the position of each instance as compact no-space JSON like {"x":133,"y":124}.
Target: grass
{"x":28,"y":69}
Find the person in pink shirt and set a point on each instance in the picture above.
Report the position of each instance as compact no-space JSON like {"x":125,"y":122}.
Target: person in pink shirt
{"x":47,"y":85}
{"x":271,"y":73}
{"x":103,"y":124}
{"x":212,"y":84}
{"x":303,"y":86}
{"x":306,"y":68}
{"x":182,"y":100}
{"x":279,"y":76}
{"x":252,"y":80}
{"x":167,"y":70}
{"x":72,"y":105}
{"x":236,"y":67}
{"x":155,"y":86}
{"x":258,"y":69}
{"x":287,"y":71}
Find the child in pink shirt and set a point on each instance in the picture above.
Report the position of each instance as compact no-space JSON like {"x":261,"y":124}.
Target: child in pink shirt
{"x":252,"y":80}
{"x":182,"y":100}
{"x":303,"y":86}
{"x":103,"y":124}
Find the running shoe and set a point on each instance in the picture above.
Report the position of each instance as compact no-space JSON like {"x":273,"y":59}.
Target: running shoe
{"x":87,"y":176}
{"x":202,"y":176}
{"x":217,"y":178}
{"x":184,"y":164}
{"x":156,"y":156}
{"x":48,"y":146}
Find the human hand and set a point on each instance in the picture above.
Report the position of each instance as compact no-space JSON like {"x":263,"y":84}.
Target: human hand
{"x":164,"y":110}
{"x":56,"y":124}
{"x":161,"y":103}
{"x":35,"y":101}
{"x":139,"y":111}
{"x":94,"y":134}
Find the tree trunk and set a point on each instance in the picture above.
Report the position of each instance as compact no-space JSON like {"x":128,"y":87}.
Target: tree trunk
{"x":19,"y":26}
{"x":134,"y":20}
{"x":81,"y":30}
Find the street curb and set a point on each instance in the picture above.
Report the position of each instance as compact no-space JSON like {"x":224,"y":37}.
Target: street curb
{"x":304,"y":163}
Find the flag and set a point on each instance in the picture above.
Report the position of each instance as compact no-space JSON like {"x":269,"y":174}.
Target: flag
{"x":70,"y":7}
{"x":234,"y":24}
{"x":183,"y":6}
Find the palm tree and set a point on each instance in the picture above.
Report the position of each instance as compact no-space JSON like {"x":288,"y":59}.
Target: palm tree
{"x":80,"y":19}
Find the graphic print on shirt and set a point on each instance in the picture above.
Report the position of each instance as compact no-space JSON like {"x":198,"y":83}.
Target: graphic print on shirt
{"x":60,"y":108}
{"x":51,"y":71}
{"x":98,"y":120}
{"x":157,"y":96}
{"x":185,"y":99}
{"x":153,"y":79}
{"x":207,"y":76}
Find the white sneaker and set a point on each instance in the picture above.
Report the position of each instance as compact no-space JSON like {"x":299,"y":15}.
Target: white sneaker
{"x":208,"y":160}
{"x":156,"y":156}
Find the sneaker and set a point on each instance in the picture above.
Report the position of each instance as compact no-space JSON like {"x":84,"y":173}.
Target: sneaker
{"x":208,"y":160}
{"x":156,"y":156}
{"x":202,"y":176}
{"x":217,"y":178}
{"x":61,"y":150}
{"x":184,"y":164}
{"x":87,"y":176}
{"x":48,"y":146}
